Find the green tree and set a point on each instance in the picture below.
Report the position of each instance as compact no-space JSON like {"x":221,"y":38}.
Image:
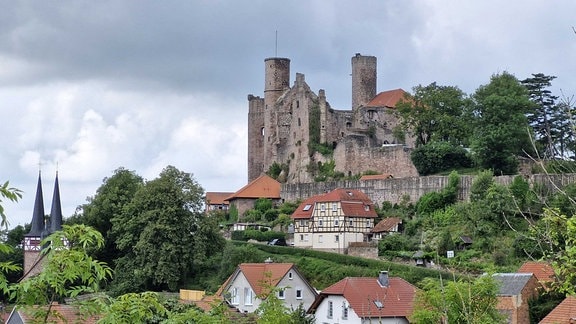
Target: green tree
{"x":10,"y":193}
{"x":459,"y":301}
{"x":155,"y":233}
{"x":68,"y":271}
{"x":501,"y":130}
{"x":546,"y":118}
{"x":110,"y":199}
{"x":435,"y":113}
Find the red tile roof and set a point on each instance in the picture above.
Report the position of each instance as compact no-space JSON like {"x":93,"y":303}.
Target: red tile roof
{"x":542,"y":271}
{"x":387,"y":224}
{"x":217,"y":198}
{"x":262,"y":187}
{"x":376,"y":177}
{"x":352,"y":201}
{"x":397,"y":299}
{"x":564,"y":313}
{"x":388,"y":98}
{"x":62,"y":314}
{"x":258,"y":274}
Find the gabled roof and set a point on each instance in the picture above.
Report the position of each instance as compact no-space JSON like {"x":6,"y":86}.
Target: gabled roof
{"x":387,"y":224}
{"x":564,"y":313}
{"x":217,"y":198}
{"x":542,"y":270}
{"x":262,"y":187}
{"x":362,"y":292}
{"x":259,"y":275}
{"x":387,"y":99}
{"x":511,"y":284}
{"x":354,"y":203}
{"x":376,"y":177}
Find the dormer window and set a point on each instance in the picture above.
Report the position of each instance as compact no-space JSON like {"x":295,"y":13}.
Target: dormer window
{"x":366,"y":207}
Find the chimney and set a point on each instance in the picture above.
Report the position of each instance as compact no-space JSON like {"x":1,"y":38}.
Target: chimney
{"x":383,"y":279}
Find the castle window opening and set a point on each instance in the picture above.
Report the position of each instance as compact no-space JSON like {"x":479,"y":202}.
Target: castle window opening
{"x":371,"y":114}
{"x":348,"y":124}
{"x":299,"y":122}
{"x":262,"y":131}
{"x":297,"y":104}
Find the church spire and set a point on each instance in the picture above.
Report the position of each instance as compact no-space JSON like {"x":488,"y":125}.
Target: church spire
{"x":37,"y":225}
{"x":56,"y":212}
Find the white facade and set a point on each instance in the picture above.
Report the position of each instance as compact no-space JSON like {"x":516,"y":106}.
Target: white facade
{"x":336,"y":309}
{"x":329,"y":229}
{"x":293,"y":290}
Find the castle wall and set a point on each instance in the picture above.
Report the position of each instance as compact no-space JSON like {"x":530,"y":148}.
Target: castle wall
{"x":356,"y":154}
{"x":412,"y":188}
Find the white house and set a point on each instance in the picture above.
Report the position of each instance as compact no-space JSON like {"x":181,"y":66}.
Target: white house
{"x":331,"y":221}
{"x":251,"y":283}
{"x":365,"y":300}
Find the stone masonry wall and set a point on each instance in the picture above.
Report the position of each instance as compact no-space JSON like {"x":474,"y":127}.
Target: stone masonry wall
{"x":412,"y":188}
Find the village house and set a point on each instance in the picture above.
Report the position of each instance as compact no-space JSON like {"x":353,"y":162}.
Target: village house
{"x":330,"y":222}
{"x":262,"y":187}
{"x":365,"y":300}
{"x":564,"y":313}
{"x":215,"y":201}
{"x":385,"y":227}
{"x":515,"y":290}
{"x":251,"y":283}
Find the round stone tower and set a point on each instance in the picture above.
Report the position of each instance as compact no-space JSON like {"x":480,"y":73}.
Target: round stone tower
{"x":363,"y":79}
{"x":277,"y":80}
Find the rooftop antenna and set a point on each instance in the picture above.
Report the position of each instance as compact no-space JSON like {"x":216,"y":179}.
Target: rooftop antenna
{"x":276,"y":45}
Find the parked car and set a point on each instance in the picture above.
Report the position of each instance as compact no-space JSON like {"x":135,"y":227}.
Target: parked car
{"x":278,"y":242}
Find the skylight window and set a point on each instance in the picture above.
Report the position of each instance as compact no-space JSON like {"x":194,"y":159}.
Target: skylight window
{"x":307,"y":207}
{"x":378,"y":304}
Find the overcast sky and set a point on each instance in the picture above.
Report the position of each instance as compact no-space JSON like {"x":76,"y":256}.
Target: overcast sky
{"x":87,"y":87}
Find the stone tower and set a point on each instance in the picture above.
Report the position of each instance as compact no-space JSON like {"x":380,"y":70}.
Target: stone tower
{"x":39,"y":230}
{"x":255,"y":137}
{"x":277,"y":81}
{"x":363,"y":79}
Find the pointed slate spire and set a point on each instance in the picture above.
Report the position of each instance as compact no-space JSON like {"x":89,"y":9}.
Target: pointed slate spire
{"x":37,"y":224}
{"x":56,"y":212}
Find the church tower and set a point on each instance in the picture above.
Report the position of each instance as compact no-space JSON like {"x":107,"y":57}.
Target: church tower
{"x":39,"y":229}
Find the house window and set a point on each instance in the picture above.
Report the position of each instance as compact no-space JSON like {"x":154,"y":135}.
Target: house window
{"x":336,"y":223}
{"x":281,"y":294}
{"x":234,"y":300}
{"x":322,"y":207}
{"x":301,"y":222}
{"x":320,"y":238}
{"x":330,"y":309}
{"x":367,"y":223}
{"x":299,"y":293}
{"x":345,"y":310}
{"x":248,"y":296}
{"x":351,"y":224}
{"x":305,"y":237}
{"x":290,"y":275}
{"x":366,"y":207}
{"x":320,"y":222}
{"x":301,"y":237}
{"x":307,"y":207}
{"x":336,"y":238}
{"x":334,"y":207}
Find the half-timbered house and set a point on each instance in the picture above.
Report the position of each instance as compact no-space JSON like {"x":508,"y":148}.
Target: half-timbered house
{"x":332,"y":221}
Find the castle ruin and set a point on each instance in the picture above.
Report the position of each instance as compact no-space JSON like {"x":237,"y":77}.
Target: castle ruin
{"x":289,"y":125}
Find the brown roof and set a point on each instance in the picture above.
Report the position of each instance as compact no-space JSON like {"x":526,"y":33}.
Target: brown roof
{"x":262,"y":187}
{"x":397,"y":299}
{"x":542,"y":271}
{"x":387,"y":99}
{"x":376,"y":177}
{"x":217,"y":198}
{"x":564,"y":313}
{"x":64,"y":314}
{"x":352,"y":201}
{"x":258,"y":274}
{"x":387,"y":224}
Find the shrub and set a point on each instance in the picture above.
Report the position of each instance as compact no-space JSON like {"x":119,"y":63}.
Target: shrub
{"x":439,"y":156}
